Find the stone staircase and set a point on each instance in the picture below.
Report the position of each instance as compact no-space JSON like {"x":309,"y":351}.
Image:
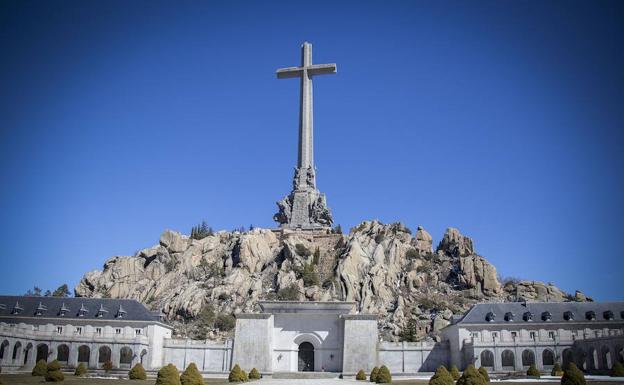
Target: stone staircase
{"x":304,"y":375}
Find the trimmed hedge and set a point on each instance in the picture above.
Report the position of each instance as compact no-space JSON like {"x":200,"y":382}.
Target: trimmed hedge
{"x":107,"y":366}
{"x":254,"y":374}
{"x":40,"y":369}
{"x":236,"y":374}
{"x":455,"y":373}
{"x":360,"y":376}
{"x":471,"y":376}
{"x":441,"y":377}
{"x":617,"y":370}
{"x":573,"y":376}
{"x":374,"y":374}
{"x":191,"y":376}
{"x":53,"y":372}
{"x":484,"y":373}
{"x":533,"y":372}
{"x":168,"y":375}
{"x":384,"y":376}
{"x":556,"y":370}
{"x":137,"y":372}
{"x":81,"y":370}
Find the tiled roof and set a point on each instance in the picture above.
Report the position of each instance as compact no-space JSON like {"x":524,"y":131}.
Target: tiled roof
{"x":543,"y":312}
{"x":17,"y":307}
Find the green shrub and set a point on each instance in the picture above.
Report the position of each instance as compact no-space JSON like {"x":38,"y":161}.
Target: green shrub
{"x":54,"y":376}
{"x":617,"y":370}
{"x":40,"y":369}
{"x":471,"y":376}
{"x":53,"y":366}
{"x":374,"y":374}
{"x":236,"y":374}
{"x":300,"y":249}
{"x":309,"y":275}
{"x":168,"y":375}
{"x":484,"y":373}
{"x":533,"y":372}
{"x":137,"y":372}
{"x":573,"y":376}
{"x":81,"y":370}
{"x":191,"y":376}
{"x":254,"y":374}
{"x":455,"y":373}
{"x":107,"y":366}
{"x":244,"y":376}
{"x":360,"y":376}
{"x":290,"y":293}
{"x":384,"y":376}
{"x":225,"y":322}
{"x":556,"y":370}
{"x":441,"y":377}
{"x":2,"y":382}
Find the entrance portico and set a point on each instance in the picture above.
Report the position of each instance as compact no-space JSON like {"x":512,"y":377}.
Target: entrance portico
{"x":298,"y":337}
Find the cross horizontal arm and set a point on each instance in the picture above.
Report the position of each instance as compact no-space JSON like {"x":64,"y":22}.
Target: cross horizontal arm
{"x":290,"y":72}
{"x":321,"y":69}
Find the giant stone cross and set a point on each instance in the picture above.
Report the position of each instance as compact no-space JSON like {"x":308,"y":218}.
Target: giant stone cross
{"x":305,"y":207}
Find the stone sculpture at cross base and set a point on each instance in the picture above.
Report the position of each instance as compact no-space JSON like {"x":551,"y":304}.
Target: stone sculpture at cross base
{"x":305,"y":207}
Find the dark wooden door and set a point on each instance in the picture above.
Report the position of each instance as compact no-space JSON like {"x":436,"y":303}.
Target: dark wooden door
{"x":306,"y":357}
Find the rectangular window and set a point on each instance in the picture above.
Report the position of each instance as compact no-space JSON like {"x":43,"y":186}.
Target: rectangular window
{"x":532,"y":335}
{"x":494,"y":335}
{"x":551,"y":335}
{"x":118,"y":331}
{"x":59,"y":330}
{"x":98,"y":331}
{"x":514,"y":335}
{"x":137,"y":332}
{"x":79,"y":330}
{"x":36,"y":327}
{"x":475,"y":335}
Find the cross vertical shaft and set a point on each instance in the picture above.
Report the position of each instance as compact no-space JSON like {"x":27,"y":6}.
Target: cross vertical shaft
{"x":306,"y":134}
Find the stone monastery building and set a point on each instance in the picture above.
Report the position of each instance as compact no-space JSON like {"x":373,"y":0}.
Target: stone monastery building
{"x":309,"y":336}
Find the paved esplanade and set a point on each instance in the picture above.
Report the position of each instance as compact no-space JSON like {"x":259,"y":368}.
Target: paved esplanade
{"x":305,"y":207}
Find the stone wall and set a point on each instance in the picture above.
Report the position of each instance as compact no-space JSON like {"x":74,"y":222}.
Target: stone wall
{"x":209,"y":357}
{"x":413,"y":357}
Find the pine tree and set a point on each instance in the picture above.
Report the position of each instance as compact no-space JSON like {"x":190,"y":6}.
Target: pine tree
{"x":374,"y":374}
{"x":137,"y":372}
{"x":384,"y":376}
{"x":191,"y":376}
{"x":441,"y":377}
{"x":168,"y":375}
{"x":573,"y":376}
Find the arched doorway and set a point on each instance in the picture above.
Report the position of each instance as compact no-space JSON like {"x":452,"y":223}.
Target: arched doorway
{"x":83,"y":354}
{"x":528,"y":358}
{"x":4,"y":348}
{"x":306,"y":357}
{"x":104,"y":355}
{"x":548,"y":358}
{"x":62,"y":354}
{"x":42,"y":352}
{"x":568,"y":358}
{"x":17,"y":349}
{"x":27,"y":353}
{"x":508,"y":360}
{"x":487,"y":359}
{"x":125,"y":357}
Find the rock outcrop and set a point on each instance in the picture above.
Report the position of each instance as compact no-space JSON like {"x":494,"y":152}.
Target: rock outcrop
{"x":384,"y":268}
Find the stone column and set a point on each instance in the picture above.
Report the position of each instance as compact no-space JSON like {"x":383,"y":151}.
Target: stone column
{"x":253,"y":344}
{"x":93,"y":355}
{"x":72,"y":361}
{"x":360,"y":343}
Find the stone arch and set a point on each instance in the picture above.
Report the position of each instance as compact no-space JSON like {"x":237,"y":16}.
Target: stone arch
{"x":143,"y":357}
{"x":528,"y":357}
{"x":4,"y":349}
{"x":84,"y":353}
{"x":619,"y":353}
{"x":62,"y":353}
{"x":104,"y":354}
{"x":314,"y":342}
{"x":508,"y":359}
{"x":581,"y":359}
{"x":548,"y":357}
{"x":487,"y":359}
{"x":42,"y":352}
{"x":27,"y":353}
{"x":125,"y":357}
{"x":605,"y":358}
{"x":305,"y":357}
{"x":17,"y":349}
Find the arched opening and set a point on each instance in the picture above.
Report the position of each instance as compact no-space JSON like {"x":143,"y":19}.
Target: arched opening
{"x":17,"y":349}
{"x":42,"y":352}
{"x":4,"y":348}
{"x":508,"y":360}
{"x":62,"y":354}
{"x":528,"y":358}
{"x":125,"y":357}
{"x":143,"y":357}
{"x":605,"y":358}
{"x":487,"y":359}
{"x":568,"y":358}
{"x":619,"y":352}
{"x":104,"y":355}
{"x":306,"y":357}
{"x":27,"y":353}
{"x":548,"y":358}
{"x":83,"y":354}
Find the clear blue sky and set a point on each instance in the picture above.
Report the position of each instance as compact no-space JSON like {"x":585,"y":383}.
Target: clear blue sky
{"x":505,"y":119}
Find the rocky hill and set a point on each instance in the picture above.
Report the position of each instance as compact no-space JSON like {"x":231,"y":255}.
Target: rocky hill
{"x":384,"y":268}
